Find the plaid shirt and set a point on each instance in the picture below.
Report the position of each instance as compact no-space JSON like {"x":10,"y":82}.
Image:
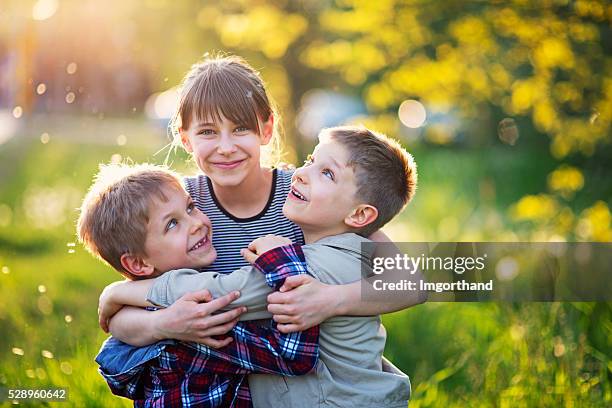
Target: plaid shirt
{"x":180,"y":374}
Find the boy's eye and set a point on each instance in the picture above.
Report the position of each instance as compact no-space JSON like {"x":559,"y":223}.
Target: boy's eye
{"x":241,"y":129}
{"x":328,"y":173}
{"x":171,"y":224}
{"x":190,"y":208}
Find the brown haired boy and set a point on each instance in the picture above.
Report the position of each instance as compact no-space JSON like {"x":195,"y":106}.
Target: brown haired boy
{"x":141,"y":221}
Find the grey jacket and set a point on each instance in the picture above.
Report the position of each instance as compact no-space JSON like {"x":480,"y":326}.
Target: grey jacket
{"x":351,"y":371}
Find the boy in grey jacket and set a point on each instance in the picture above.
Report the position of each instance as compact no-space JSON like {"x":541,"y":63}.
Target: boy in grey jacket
{"x":354,"y":183}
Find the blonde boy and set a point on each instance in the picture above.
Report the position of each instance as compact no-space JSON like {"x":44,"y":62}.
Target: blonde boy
{"x":142,"y":222}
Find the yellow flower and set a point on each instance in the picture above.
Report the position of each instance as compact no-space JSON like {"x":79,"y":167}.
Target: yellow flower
{"x":566,"y":180}
{"x":539,"y":207}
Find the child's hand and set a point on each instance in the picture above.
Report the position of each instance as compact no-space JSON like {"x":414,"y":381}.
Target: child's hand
{"x":263,"y":244}
{"x":107,"y":306}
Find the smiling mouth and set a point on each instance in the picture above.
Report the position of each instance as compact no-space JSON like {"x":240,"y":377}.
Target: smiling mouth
{"x":200,"y":243}
{"x":229,"y":165}
{"x":297,"y":194}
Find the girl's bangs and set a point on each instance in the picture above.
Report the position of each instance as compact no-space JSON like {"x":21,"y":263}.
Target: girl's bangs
{"x":234,"y":101}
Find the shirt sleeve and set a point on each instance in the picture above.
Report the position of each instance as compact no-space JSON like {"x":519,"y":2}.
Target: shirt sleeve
{"x":170,"y":286}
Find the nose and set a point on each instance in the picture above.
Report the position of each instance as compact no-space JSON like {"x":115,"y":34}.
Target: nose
{"x":300,"y":175}
{"x":198,"y":221}
{"x":196,"y":226}
{"x":226,"y":144}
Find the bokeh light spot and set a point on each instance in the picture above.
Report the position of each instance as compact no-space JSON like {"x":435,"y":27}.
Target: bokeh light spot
{"x":68,"y":318}
{"x":46,"y":354}
{"x":412,"y":113}
{"x":71,"y":68}
{"x":162,"y":105}
{"x":559,"y":347}
{"x":44,"y":9}
{"x":18,"y":351}
{"x":49,"y":207}
{"x":44,"y":138}
{"x":17,"y":111}
{"x":66,"y":367}
{"x":70,"y":96}
{"x":121,"y":140}
{"x":116,"y":158}
{"x":45,"y":305}
{"x":40,"y":373}
{"x":508,"y":131}
{"x":41,"y":89}
{"x":506,"y":269}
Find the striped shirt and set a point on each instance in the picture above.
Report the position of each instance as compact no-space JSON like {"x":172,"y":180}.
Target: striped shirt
{"x":230,"y":233}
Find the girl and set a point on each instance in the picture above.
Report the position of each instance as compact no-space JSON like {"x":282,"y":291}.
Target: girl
{"x":226,"y":121}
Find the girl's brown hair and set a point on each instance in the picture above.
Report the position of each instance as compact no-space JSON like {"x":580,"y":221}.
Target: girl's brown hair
{"x":227,"y":86}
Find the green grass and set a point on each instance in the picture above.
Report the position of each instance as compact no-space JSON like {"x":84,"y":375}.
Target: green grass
{"x":491,"y":354}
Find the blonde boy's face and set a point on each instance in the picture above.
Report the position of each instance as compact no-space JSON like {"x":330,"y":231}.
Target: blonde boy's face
{"x":178,"y":234}
{"x":323,"y":191}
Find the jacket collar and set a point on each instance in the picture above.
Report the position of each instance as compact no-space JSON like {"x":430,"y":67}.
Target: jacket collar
{"x":350,"y":242}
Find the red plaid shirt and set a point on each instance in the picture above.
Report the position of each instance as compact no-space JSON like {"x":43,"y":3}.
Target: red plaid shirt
{"x":180,"y":374}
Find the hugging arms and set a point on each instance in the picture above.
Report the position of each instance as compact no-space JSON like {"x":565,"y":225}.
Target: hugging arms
{"x":301,"y":303}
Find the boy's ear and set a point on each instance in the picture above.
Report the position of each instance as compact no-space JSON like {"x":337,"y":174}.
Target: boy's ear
{"x":267,"y":130}
{"x":185,"y":140}
{"x":361,"y":216}
{"x":136,"y":265}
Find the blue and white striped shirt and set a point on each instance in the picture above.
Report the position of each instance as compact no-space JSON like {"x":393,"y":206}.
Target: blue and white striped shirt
{"x":230,"y":233}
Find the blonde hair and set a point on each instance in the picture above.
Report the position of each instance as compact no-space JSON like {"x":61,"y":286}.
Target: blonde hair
{"x":386,"y":174}
{"x":227,"y":86}
{"x":115,"y":212}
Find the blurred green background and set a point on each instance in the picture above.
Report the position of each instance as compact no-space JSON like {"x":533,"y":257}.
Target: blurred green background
{"x":514,"y":146}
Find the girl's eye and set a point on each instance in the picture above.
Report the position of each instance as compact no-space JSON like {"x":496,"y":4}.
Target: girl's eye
{"x":190,"y":208}
{"x":206,"y":132}
{"x":171,"y":224}
{"x":328,"y":173}
{"x":241,"y":129}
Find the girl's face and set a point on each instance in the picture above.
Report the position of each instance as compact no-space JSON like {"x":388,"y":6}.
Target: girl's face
{"x":227,"y":152}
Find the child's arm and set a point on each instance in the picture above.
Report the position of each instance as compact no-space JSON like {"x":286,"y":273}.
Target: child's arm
{"x":119,"y":294}
{"x":168,"y":288}
{"x":191,"y":318}
{"x":303,"y":302}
